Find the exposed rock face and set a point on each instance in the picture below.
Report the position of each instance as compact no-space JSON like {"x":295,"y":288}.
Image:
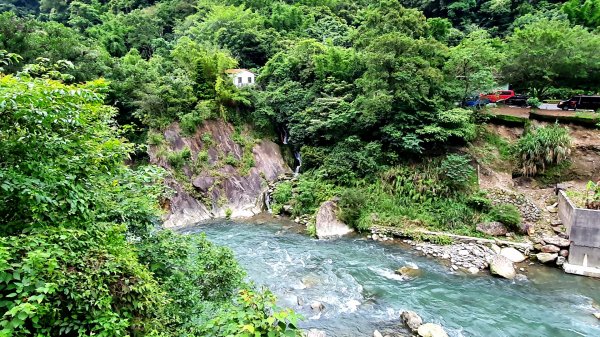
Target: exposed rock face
{"x":501,"y":266}
{"x":216,"y":189}
{"x":431,"y":330}
{"x":327,"y":223}
{"x":512,"y":254}
{"x":550,"y":249}
{"x":546,"y":257}
{"x":556,"y":241}
{"x":412,"y":320}
{"x":493,"y":228}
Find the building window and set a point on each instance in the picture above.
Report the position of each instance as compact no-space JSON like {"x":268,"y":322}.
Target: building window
{"x":239,"y":80}
{"x":249,"y":79}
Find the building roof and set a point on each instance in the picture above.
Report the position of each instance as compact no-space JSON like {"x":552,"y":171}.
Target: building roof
{"x":237,"y":71}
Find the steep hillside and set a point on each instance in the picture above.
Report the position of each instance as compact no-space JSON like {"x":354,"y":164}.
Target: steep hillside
{"x":217,"y":172}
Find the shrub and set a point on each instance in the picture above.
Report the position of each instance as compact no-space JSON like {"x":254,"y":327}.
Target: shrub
{"x":479,"y":201}
{"x":228,"y":213}
{"x":154,"y":138}
{"x":544,"y":146}
{"x":283,"y":193}
{"x":310,"y":193}
{"x":231,"y":160}
{"x":507,"y":214}
{"x":177,"y":159}
{"x":457,"y":172}
{"x":352,"y":202}
{"x":189,"y":122}
{"x":207,"y":139}
{"x":534,"y":102}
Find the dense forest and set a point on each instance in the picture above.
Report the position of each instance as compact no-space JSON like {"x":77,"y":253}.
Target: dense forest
{"x":368,"y":92}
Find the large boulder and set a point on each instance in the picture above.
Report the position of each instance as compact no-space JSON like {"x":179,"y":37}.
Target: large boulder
{"x":502,"y":266}
{"x":327,"y":224}
{"x":556,"y":241}
{"x":550,"y":249}
{"x":546,"y":257}
{"x":412,"y":320}
{"x":431,"y":330}
{"x":493,"y":228}
{"x":512,"y":254}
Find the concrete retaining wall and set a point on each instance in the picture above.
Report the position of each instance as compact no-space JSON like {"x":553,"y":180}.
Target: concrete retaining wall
{"x":583,"y":228}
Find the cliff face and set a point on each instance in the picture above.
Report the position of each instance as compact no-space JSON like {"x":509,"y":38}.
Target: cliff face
{"x":217,"y":172}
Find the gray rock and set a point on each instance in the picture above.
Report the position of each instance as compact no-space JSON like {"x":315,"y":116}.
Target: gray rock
{"x":550,"y":249}
{"x":317,"y":306}
{"x":495,"y":249}
{"x":512,"y":254}
{"x":376,"y":333}
{"x":473,"y":270}
{"x":546,"y":257}
{"x":203,"y":183}
{"x":560,"y":260}
{"x":409,"y":271}
{"x":327,"y":223}
{"x":493,"y":228}
{"x":502,"y":266}
{"x":556,"y":241}
{"x":431,"y":330}
{"x":564,"y":253}
{"x":412,"y":320}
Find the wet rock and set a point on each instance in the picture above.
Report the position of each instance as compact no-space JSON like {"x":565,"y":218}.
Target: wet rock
{"x":375,"y":237}
{"x":521,"y":278}
{"x":495,"y":249}
{"x":550,"y":249}
{"x":431,"y":330}
{"x":315,"y":333}
{"x":473,"y":270}
{"x":493,"y":228}
{"x":502,"y":266}
{"x":560,"y":260}
{"x":327,"y":223}
{"x":412,"y":320}
{"x":556,"y":241}
{"x":317,"y":306}
{"x":512,"y":254}
{"x":597,"y":315}
{"x":546,"y":257}
{"x":563,"y":253}
{"x":409,"y":271}
{"x":376,"y":333}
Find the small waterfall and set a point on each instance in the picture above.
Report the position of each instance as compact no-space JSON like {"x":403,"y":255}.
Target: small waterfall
{"x":299,"y":159}
{"x":284,"y":137}
{"x":268,"y":201}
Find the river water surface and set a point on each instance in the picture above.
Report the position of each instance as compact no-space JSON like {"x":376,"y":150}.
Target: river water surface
{"x":355,"y":281}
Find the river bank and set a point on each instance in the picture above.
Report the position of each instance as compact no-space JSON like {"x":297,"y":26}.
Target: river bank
{"x":354,"y":280}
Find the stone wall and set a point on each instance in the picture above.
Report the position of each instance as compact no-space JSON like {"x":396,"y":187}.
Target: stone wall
{"x":583,"y":228}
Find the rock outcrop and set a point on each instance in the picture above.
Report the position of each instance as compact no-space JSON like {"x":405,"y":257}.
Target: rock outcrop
{"x":431,"y":330}
{"x":211,"y":180}
{"x":327,"y":224}
{"x":493,"y":228}
{"x":512,"y":254}
{"x":412,"y":320}
{"x":502,"y":266}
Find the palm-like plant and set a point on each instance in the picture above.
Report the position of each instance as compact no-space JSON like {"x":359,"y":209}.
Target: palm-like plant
{"x":543,"y":146}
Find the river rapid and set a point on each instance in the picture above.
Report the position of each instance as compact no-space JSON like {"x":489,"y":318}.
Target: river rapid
{"x":354,"y":279}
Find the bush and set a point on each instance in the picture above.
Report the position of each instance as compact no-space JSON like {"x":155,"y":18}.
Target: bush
{"x":457,"y":172}
{"x":507,"y":214}
{"x":283,"y":193}
{"x":352,"y":202}
{"x":154,"y":138}
{"x":479,"y":202}
{"x":310,"y":193}
{"x":231,"y":160}
{"x":548,"y":145}
{"x":177,"y":159}
{"x":189,"y":122}
{"x":534,"y":102}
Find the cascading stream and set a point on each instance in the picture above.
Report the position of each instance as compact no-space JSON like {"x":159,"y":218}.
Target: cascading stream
{"x":354,"y":279}
{"x":299,"y":160}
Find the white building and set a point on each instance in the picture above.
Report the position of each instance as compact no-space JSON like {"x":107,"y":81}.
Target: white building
{"x":241,"y":77}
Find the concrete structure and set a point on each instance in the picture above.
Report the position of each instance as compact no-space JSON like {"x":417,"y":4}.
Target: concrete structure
{"x":241,"y":77}
{"x":583,"y":228}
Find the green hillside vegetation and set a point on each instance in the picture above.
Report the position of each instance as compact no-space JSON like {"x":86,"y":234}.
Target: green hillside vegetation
{"x":367,"y":91}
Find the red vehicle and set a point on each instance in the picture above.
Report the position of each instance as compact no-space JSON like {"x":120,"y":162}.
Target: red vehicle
{"x":498,"y":95}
